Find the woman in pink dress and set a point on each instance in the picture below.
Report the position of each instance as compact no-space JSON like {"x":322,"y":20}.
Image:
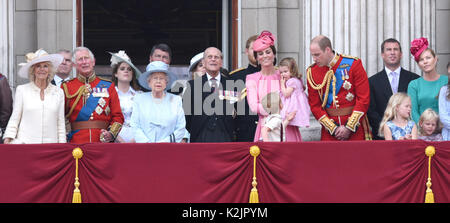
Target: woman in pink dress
{"x":293,"y":98}
{"x":265,"y":81}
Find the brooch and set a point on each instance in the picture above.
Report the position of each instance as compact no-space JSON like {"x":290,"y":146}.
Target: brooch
{"x":347,"y":85}
{"x":98,"y":110}
{"x":107,"y":110}
{"x":350,"y":96}
{"x":102,"y":102}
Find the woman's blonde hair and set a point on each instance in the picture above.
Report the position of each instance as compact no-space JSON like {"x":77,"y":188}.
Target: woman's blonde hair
{"x":293,"y":67}
{"x":51,"y":72}
{"x":391,"y":109}
{"x":430,"y":115}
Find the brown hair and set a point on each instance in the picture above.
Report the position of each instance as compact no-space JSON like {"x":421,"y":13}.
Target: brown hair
{"x":133,"y":82}
{"x":323,"y":42}
{"x":390,"y":40}
{"x":274,"y":50}
{"x":293,"y":68}
{"x":250,"y":40}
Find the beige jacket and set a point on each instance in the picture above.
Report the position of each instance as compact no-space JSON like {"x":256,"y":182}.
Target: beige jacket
{"x":35,"y":121}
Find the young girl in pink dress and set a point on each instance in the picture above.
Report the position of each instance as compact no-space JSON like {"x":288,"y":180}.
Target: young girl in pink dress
{"x":293,"y":98}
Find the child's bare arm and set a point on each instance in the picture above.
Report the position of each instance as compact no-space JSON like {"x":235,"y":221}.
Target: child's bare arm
{"x":265,"y":133}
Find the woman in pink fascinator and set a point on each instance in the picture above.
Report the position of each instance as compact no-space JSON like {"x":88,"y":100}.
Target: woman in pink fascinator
{"x":424,"y":91}
{"x":264,"y":82}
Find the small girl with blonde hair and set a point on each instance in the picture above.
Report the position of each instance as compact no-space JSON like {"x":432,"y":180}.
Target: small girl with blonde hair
{"x":396,"y":123}
{"x":293,"y":98}
{"x":430,"y":126}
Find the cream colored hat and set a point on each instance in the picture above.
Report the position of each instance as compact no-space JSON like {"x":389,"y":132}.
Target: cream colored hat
{"x":195,"y":60}
{"x":38,"y":57}
{"x":122,"y":56}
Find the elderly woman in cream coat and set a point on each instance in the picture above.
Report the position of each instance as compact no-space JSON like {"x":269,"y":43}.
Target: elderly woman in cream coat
{"x":38,"y":112}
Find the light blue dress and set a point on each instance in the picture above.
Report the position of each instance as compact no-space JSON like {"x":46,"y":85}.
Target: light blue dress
{"x":398,"y":132}
{"x":444,"y":113}
{"x":158,"y":120}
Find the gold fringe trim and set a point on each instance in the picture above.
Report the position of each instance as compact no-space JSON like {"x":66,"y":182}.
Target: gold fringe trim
{"x":329,"y":76}
{"x":429,"y":196}
{"x":254,"y":198}
{"x":77,"y":154}
{"x":77,"y":94}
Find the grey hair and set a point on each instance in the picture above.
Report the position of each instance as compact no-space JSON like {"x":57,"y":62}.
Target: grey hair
{"x":81,"y":48}
{"x":64,"y":51}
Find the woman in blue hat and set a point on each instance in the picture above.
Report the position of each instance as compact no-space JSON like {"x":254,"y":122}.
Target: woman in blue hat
{"x":158,"y":116}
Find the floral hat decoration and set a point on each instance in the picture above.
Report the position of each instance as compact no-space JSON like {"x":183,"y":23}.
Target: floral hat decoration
{"x":264,"y":40}
{"x":121,"y":56}
{"x":418,"y":46}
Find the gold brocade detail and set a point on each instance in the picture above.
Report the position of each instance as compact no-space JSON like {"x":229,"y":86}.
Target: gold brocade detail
{"x":328,"y":124}
{"x":429,"y":196}
{"x":349,"y":56}
{"x":77,"y":94}
{"x":115,"y":128}
{"x":325,"y":83}
{"x":77,"y":153}
{"x":353,"y":121}
{"x":243,"y":94}
{"x":254,"y":198}
{"x":85,"y":80}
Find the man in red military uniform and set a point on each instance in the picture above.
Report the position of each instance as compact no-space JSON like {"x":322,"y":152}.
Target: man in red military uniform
{"x":92,"y":104}
{"x":338,"y":93}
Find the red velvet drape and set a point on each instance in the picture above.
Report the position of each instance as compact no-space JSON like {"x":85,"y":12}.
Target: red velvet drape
{"x":377,"y":171}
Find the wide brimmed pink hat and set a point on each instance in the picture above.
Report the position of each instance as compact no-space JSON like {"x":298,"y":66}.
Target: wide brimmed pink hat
{"x":264,"y":40}
{"x":418,"y":46}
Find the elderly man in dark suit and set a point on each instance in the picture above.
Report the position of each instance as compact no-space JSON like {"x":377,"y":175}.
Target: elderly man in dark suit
{"x":392,"y":79}
{"x":208,"y":104}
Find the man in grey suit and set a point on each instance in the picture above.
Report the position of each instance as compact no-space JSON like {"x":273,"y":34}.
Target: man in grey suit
{"x":392,"y":79}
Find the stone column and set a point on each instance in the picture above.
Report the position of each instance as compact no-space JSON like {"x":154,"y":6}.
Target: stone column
{"x":43,"y":24}
{"x":257,"y":15}
{"x":358,"y":27}
{"x":6,"y":39}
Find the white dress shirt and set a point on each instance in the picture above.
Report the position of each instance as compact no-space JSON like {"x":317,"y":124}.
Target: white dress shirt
{"x":388,"y":72}
{"x":126,"y":105}
{"x":217,"y":79}
{"x":58,"y":80}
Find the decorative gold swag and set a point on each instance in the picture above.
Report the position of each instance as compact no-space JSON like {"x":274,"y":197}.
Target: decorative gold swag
{"x":77,"y":154}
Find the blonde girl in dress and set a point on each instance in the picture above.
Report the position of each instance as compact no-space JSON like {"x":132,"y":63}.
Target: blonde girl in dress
{"x":396,"y":123}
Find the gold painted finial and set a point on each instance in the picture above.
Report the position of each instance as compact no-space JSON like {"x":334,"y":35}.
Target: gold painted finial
{"x":255,"y":151}
{"x":430,"y":151}
{"x":429,"y":196}
{"x":77,"y":153}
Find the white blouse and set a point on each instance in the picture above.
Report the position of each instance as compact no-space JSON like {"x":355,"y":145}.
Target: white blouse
{"x":126,"y":105}
{"x":35,"y":121}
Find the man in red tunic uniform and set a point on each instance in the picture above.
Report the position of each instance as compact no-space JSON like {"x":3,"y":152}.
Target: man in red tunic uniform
{"x":338,"y":93}
{"x":92,"y":104}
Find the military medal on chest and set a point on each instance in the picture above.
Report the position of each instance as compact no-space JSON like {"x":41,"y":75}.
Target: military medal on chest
{"x":347,"y":85}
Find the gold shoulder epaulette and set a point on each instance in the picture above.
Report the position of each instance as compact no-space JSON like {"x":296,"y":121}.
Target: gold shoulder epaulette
{"x":349,"y":56}
{"x":104,"y":79}
{"x":65,"y":81}
{"x":237,"y":70}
